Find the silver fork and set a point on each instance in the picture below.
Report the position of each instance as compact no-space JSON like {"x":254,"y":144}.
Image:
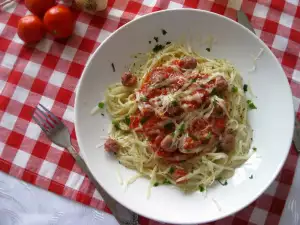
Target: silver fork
{"x":58,"y":133}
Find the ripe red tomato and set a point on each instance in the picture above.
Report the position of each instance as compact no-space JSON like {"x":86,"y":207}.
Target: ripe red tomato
{"x":31,"y":29}
{"x":59,"y":21}
{"x":39,"y":7}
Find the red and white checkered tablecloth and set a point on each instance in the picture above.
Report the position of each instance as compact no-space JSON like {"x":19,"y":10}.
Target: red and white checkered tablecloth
{"x":48,"y":73}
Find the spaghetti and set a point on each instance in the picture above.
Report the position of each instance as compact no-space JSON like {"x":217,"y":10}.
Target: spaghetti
{"x":179,"y":118}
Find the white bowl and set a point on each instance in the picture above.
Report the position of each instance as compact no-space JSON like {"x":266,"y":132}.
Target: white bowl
{"x":272,"y":122}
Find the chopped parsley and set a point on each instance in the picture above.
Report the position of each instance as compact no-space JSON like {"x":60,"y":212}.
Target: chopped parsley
{"x":164,"y":32}
{"x":102,"y":114}
{"x":116,"y":124}
{"x":143,"y":98}
{"x":158,"y":48}
{"x":251,"y":177}
{"x":181,"y":128}
{"x":166,"y":181}
{"x":150,"y":42}
{"x":234,"y":89}
{"x":201,"y":188}
{"x":113,"y":67}
{"x":251,"y":104}
{"x":174,"y":103}
{"x":168,"y":42}
{"x":155,"y":184}
{"x":214,"y":91}
{"x":254,"y":148}
{"x":127,"y":120}
{"x":208,"y":136}
{"x":144,"y":120}
{"x":207,"y":49}
{"x":223,"y":184}
{"x":194,"y":80}
{"x":169,"y":126}
{"x":171,"y":170}
{"x":193,"y":137}
{"x":156,"y":39}
{"x":101,"y":105}
{"x":245,"y":87}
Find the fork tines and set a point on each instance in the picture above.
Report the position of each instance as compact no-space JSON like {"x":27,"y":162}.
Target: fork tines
{"x":45,"y":119}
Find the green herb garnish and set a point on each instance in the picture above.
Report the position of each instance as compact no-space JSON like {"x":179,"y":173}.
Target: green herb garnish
{"x":127,"y":120}
{"x":113,"y":67}
{"x":174,"y":103}
{"x":168,"y":42}
{"x":193,"y":137}
{"x":181,"y":128}
{"x":254,"y":148}
{"x":223,"y":184}
{"x":201,"y":188}
{"x":143,"y":98}
{"x":207,"y":49}
{"x":116,"y":124}
{"x":164,"y":32}
{"x":157,"y":48}
{"x":194,"y":80}
{"x":251,"y":104}
{"x":149,"y":42}
{"x":251,"y":177}
{"x":208,"y":136}
{"x":101,"y":105}
{"x":143,"y":120}
{"x":171,"y":170}
{"x":166,"y":181}
{"x":214,"y":91}
{"x":169,"y":126}
{"x":156,"y":39}
{"x":245,"y":87}
{"x":234,"y":89}
{"x":155,"y":184}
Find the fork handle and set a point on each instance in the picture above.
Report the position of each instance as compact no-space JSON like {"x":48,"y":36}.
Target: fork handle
{"x":116,"y":208}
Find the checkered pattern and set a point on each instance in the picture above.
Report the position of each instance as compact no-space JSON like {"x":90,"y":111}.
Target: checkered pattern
{"x":48,"y":73}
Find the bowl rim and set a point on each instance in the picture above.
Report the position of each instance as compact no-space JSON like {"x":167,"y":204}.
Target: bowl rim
{"x":127,"y":204}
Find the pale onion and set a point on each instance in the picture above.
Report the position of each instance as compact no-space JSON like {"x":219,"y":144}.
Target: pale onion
{"x":91,"y":6}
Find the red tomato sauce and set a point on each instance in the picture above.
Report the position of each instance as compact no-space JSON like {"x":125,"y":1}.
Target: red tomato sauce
{"x":146,"y":121}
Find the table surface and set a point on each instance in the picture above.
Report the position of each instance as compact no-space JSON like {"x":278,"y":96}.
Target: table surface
{"x":22,"y":203}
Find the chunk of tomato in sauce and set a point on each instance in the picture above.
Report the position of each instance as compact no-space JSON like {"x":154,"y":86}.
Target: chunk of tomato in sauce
{"x":220,"y":123}
{"x":191,"y":105}
{"x":163,"y":154}
{"x":134,"y":122}
{"x":158,"y":140}
{"x":178,"y":173}
{"x":176,"y":62}
{"x":190,"y":143}
{"x":198,"y":125}
{"x":151,"y":122}
{"x":154,"y":93}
